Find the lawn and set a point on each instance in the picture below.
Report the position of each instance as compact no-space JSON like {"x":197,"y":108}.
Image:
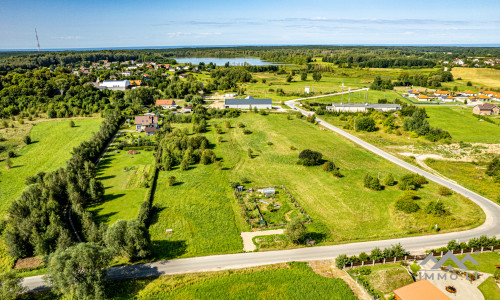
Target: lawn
{"x":462,"y":125}
{"x":124,"y":177}
{"x":52,"y":142}
{"x":487,"y":262}
{"x":490,"y":290}
{"x":282,"y":281}
{"x":468,"y":174}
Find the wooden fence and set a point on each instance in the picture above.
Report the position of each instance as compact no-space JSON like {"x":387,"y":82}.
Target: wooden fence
{"x":420,"y":257}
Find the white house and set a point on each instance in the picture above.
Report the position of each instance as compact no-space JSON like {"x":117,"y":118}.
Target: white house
{"x":248,"y":103}
{"x":115,"y":85}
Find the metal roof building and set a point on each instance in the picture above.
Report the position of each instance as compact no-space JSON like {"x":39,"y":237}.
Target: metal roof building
{"x":248,"y":102}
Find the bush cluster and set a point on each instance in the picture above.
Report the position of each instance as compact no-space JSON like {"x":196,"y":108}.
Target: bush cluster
{"x":309,"y":158}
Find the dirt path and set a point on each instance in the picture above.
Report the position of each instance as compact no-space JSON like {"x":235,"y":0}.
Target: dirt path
{"x":287,"y":216}
{"x":326,"y":268}
{"x":247,"y":238}
{"x":420,"y":159}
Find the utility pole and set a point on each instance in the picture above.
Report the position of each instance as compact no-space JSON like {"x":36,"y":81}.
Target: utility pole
{"x":342,"y":93}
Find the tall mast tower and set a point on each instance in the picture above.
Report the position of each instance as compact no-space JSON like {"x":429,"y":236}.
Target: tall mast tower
{"x":37,"y":41}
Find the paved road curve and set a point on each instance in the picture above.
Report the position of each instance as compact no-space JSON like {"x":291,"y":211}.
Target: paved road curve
{"x":241,"y":260}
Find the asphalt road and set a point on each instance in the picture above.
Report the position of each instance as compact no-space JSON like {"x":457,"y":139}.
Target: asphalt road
{"x":491,"y":227}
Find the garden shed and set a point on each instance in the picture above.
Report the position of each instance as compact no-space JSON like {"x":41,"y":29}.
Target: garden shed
{"x":267,"y":191}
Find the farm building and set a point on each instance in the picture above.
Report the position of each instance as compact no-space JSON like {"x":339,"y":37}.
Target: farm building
{"x":115,"y":85}
{"x":248,"y":103}
{"x":487,"y":109}
{"x":362,"y":107}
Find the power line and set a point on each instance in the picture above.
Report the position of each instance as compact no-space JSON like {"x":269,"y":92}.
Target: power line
{"x":37,"y":41}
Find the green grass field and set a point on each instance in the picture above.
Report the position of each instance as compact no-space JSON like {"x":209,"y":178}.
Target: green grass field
{"x":52,"y":142}
{"x":282,"y":281}
{"x":123,"y":176}
{"x":206,"y":219}
{"x":490,"y":290}
{"x":463,"y":126}
{"x":469,"y":175}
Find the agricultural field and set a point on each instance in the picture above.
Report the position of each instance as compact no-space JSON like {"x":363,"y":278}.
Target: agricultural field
{"x":469,"y":175}
{"x":281,"y":281}
{"x":482,"y":77}
{"x":52,"y":142}
{"x":206,"y":218}
{"x":125,"y":176}
{"x":463,"y":126}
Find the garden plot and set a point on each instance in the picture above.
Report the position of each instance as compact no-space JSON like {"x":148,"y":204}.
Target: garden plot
{"x":269,"y":207}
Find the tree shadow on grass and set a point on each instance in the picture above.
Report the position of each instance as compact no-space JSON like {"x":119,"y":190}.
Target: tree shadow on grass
{"x":155,"y":214}
{"x":106,"y":177}
{"x":164,"y":249}
{"x":102,"y":218}
{"x":178,"y":183}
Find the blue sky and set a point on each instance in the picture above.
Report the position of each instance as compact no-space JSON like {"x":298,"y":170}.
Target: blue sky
{"x":85,"y":24}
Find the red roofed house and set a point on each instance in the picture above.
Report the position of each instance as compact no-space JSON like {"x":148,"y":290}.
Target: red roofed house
{"x":423,"y":98}
{"x":419,"y":290}
{"x":486,"y":109}
{"x":468,"y":93}
{"x":143,"y":122}
{"x":166,"y":103}
{"x":442,"y":94}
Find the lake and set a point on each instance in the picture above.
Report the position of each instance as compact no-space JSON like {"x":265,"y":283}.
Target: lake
{"x":233,"y":61}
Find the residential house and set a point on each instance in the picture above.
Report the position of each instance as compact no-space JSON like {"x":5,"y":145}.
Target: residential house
{"x":413,"y":93}
{"x":483,"y":97}
{"x":441,"y":94}
{"x":115,"y":85}
{"x":150,"y":130}
{"x":126,"y":73}
{"x":362,"y":107}
{"x":166,"y":103}
{"x":487,"y":93}
{"x":143,"y":122}
{"x":423,"y":98}
{"x":486,"y":109}
{"x":418,"y":290}
{"x":183,"y":75}
{"x":131,"y":67}
{"x":248,"y":103}
{"x":449,"y":99}
{"x":186,"y":68}
{"x":135,"y":83}
{"x":171,"y":69}
{"x":468,"y":93}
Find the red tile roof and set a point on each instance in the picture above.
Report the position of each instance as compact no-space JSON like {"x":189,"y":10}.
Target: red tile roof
{"x":419,"y":290}
{"x":165,"y":102}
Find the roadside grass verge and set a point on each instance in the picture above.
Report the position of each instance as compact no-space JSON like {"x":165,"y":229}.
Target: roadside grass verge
{"x":487,"y":262}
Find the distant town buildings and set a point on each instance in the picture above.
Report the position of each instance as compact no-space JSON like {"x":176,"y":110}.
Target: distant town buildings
{"x":115,"y":85}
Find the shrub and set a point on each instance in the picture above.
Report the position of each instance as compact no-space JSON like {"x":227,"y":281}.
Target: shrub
{"x":270,"y":143}
{"x":497,"y":274}
{"x":364,"y":271}
{"x":436,"y":208}
{"x":444,"y":191}
{"x":71,"y":123}
{"x":11,"y":154}
{"x":406,"y":203}
{"x":389,"y":180}
{"x":336,"y":173}
{"x":293,"y":148}
{"x":363,"y":257}
{"x":341,"y":261}
{"x":372,"y":183}
{"x":453,"y":245}
{"x":247,"y":132}
{"x":21,"y":121}
{"x":376,"y":254}
{"x":411,"y":182}
{"x":328,"y":166}
{"x":241,"y":125}
{"x":171,"y":180}
{"x":296,"y":230}
{"x":309,"y":158}
{"x":27,"y":140}
{"x":365,"y":124}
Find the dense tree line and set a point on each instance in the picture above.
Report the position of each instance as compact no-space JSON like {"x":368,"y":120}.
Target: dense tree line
{"x":434,"y":79}
{"x":224,"y":79}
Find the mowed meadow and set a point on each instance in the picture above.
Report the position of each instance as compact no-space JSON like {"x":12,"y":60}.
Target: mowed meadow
{"x":206,"y":219}
{"x":52,"y":142}
{"x":463,"y":126}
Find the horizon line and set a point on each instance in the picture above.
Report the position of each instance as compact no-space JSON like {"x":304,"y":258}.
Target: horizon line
{"x":473,"y":45}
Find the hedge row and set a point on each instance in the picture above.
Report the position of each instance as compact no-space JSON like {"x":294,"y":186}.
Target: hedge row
{"x":147,"y":148}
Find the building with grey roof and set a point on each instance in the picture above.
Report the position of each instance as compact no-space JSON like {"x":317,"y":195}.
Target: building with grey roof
{"x":248,"y":103}
{"x":362,"y":107}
